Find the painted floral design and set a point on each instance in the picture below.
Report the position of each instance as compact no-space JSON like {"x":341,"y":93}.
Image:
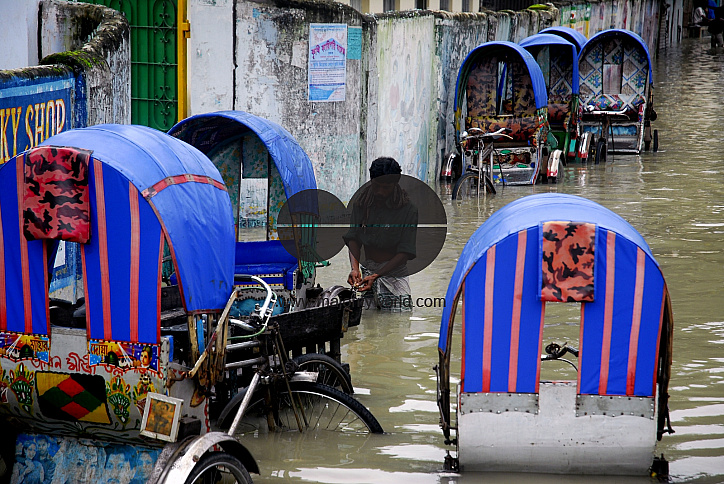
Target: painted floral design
{"x":119,"y":396}
{"x":22,"y":382}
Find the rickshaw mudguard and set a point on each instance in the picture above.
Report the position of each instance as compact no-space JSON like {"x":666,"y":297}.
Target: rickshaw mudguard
{"x":181,"y":463}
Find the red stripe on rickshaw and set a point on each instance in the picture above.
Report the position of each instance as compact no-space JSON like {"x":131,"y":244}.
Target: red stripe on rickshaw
{"x":607,"y":312}
{"x":3,"y":286}
{"x":633,"y":344}
{"x":24,"y":262}
{"x":158,"y":289}
{"x":462,"y":313}
{"x":85,"y":291}
{"x":135,"y":259}
{"x":103,"y":250}
{"x":488,"y":318}
{"x":179,"y":179}
{"x":517,"y":303}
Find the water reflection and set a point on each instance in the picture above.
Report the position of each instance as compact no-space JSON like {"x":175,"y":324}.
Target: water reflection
{"x":673,"y":197}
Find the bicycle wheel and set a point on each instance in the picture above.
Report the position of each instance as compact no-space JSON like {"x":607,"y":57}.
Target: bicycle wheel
{"x":325,"y":408}
{"x":329,"y":371}
{"x":219,"y":467}
{"x":466,"y":186}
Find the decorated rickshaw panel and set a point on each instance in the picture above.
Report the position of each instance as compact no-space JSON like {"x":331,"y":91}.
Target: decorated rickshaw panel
{"x":515,"y":110}
{"x":69,"y":396}
{"x":243,"y":163}
{"x":614,"y":76}
{"x":560,"y":89}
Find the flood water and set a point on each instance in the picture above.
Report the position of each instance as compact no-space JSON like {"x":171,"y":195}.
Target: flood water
{"x":674,"y":198}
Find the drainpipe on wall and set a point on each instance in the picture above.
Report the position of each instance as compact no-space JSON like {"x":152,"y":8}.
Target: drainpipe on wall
{"x":183,"y":32}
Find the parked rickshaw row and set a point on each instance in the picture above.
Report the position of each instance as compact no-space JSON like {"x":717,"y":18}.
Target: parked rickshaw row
{"x":555,"y":98}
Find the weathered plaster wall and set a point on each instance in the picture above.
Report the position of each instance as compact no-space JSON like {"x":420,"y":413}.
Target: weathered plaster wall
{"x":18,"y":33}
{"x":95,"y":42}
{"x":271,"y":81}
{"x":456,"y":35}
{"x":211,"y":56}
{"x":406,"y":94}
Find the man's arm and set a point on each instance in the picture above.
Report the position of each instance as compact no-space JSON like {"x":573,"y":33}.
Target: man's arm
{"x":355,"y":277}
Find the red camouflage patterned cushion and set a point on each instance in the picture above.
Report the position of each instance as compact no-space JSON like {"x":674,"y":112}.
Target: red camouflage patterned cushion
{"x":55,"y":198}
{"x":568,"y":255}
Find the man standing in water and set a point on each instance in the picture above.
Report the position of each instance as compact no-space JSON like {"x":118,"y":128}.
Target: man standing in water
{"x":383,"y":233}
{"x":716,"y":28}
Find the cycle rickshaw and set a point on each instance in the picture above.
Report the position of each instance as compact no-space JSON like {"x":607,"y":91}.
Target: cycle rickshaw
{"x":106,"y":384}
{"x":536,"y":251}
{"x":558,"y":59}
{"x":500,"y":86}
{"x":616,"y":98}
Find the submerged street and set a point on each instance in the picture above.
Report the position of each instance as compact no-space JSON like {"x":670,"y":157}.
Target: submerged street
{"x":674,"y":198}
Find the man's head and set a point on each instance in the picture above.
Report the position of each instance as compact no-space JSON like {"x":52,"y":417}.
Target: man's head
{"x":385,"y":174}
{"x":384,"y":166}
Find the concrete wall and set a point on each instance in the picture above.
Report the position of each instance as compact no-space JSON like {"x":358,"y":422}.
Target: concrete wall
{"x":253,"y":57}
{"x":18,"y":33}
{"x":86,"y":52}
{"x":400,"y":94}
{"x":211,"y":56}
{"x":95,"y":42}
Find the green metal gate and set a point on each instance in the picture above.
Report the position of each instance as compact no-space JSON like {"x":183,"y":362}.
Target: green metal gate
{"x":154,"y":65}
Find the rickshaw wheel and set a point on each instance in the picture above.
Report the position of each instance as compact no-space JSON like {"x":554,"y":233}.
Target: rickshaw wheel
{"x":467,"y":186}
{"x":329,"y":371}
{"x":219,"y":468}
{"x":326,"y":408}
{"x":600,"y":151}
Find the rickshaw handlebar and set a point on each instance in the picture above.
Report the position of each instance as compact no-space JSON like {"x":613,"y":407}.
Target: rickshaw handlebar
{"x":267,"y":307}
{"x":477,"y":133}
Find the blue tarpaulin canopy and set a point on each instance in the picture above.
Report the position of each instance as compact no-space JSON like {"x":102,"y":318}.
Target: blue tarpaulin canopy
{"x":528,"y":212}
{"x":571,"y":35}
{"x":183,"y":189}
{"x":503,"y":48}
{"x":207,"y":131}
{"x":607,"y":34}
{"x":499,"y":277}
{"x":550,"y":40}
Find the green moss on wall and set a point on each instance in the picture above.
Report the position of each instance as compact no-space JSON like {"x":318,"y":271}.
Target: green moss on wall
{"x":78,"y":60}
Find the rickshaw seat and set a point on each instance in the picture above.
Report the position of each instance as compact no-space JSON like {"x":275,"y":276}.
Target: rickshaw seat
{"x":523,"y":128}
{"x":267,"y":258}
{"x":557,"y":112}
{"x":632,"y":104}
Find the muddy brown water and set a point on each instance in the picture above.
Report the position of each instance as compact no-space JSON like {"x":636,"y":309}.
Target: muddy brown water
{"x":674,"y":198}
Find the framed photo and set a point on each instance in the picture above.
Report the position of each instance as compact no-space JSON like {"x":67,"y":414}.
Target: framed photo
{"x":161,"y":417}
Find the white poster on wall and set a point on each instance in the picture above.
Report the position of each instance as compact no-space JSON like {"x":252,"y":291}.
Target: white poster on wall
{"x":327,"y":67}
